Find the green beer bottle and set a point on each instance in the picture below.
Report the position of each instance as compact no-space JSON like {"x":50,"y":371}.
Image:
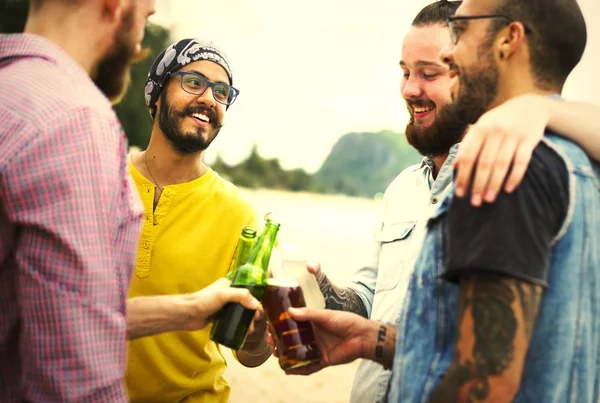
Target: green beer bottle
{"x":232,"y":322}
{"x":242,"y":252}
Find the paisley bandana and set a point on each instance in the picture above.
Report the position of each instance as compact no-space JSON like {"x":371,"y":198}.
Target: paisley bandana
{"x":173,"y":59}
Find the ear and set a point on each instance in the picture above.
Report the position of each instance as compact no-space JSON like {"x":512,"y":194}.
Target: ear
{"x":113,"y":9}
{"x":510,"y":40}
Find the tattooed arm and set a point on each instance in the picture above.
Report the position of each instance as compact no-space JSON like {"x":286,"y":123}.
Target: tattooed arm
{"x":340,"y":298}
{"x":496,"y":319}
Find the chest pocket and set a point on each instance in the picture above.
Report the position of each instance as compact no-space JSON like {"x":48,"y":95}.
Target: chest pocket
{"x":395,"y":250}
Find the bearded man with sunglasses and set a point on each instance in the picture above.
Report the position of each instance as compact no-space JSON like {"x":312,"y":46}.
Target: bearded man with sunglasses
{"x":193,"y":219}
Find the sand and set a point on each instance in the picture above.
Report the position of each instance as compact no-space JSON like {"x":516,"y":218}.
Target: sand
{"x":269,"y":384}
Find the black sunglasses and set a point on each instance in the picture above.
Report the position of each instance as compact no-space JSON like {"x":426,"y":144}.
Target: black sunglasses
{"x":456,"y":30}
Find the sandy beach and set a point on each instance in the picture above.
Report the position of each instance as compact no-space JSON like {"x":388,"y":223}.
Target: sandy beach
{"x":336,"y":231}
{"x":269,"y":384}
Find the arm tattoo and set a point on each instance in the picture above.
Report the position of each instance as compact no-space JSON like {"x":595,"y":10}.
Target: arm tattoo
{"x":494,"y":305}
{"x":529,"y":297}
{"x":339,"y":298}
{"x":380,"y":339}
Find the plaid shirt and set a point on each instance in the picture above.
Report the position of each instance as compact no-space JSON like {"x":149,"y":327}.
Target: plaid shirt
{"x":69,"y":225}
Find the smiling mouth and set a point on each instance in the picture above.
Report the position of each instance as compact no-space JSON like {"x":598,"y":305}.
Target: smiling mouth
{"x":200,"y":117}
{"x":423,"y":109}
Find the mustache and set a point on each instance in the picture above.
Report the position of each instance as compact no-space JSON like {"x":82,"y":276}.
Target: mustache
{"x":419,"y":103}
{"x":212,"y":115}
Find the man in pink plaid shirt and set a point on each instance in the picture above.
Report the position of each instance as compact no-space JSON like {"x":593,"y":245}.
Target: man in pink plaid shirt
{"x":69,"y":217}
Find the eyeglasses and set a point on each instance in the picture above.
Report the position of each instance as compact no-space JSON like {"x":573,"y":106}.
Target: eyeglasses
{"x":196,"y":84}
{"x":457,"y":29}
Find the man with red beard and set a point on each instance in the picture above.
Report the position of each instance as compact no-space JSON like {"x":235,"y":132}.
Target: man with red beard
{"x":378,"y":290}
{"x":193,"y":220}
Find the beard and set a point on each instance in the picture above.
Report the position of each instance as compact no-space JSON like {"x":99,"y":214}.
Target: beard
{"x":169,"y":121}
{"x":478,"y":87}
{"x":436,"y":139}
{"x":112,"y":75}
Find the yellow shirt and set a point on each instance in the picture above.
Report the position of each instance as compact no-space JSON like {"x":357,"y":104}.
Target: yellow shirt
{"x":185,"y":245}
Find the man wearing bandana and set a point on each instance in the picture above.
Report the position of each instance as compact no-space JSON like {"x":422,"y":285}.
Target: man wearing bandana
{"x":192,"y":221}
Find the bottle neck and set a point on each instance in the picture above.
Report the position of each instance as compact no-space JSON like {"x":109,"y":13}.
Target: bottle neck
{"x":261,"y":254}
{"x":248,"y":233}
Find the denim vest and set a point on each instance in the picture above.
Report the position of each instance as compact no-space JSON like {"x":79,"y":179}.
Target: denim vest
{"x":563,"y":360}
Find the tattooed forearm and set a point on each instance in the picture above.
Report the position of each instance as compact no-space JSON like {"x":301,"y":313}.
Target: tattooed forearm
{"x":385,"y":346}
{"x":340,"y":299}
{"x":496,"y":319}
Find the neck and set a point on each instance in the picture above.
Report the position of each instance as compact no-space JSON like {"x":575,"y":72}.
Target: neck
{"x":66,"y":27}
{"x":518,"y":83}
{"x":167,"y":167}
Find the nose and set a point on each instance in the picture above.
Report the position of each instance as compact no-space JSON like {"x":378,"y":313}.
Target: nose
{"x":207,"y":98}
{"x":411,"y":89}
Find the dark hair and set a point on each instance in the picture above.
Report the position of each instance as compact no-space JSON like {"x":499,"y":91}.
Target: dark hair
{"x":436,"y":13}
{"x":557,"y":40}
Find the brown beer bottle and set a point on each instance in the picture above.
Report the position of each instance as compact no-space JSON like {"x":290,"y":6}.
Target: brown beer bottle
{"x":232,"y":323}
{"x":294,"y":340}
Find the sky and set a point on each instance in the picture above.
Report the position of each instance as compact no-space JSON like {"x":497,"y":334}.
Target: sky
{"x":310,"y":71}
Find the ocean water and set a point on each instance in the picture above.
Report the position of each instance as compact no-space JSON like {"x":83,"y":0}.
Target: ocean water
{"x":334,"y":230}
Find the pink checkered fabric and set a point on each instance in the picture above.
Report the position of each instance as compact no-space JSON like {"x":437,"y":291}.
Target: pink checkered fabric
{"x":69,"y":226}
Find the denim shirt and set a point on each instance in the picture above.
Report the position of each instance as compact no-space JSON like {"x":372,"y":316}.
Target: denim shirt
{"x":407,"y":204}
{"x":563,"y":360}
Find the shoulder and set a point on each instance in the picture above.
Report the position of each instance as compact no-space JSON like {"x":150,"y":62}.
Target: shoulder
{"x":537,"y":208}
{"x":548,"y":168}
{"x":406,"y":177}
{"x":230,"y":194}
{"x":62,"y":91}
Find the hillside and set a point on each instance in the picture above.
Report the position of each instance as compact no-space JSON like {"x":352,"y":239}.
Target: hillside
{"x":363,"y":164}
{"x":360,"y":164}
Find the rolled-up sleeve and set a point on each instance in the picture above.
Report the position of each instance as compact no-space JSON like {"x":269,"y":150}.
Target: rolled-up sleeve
{"x":63,"y":197}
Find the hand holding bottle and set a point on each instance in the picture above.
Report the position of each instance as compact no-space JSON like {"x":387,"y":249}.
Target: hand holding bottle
{"x":341,"y":337}
{"x":233,"y":321}
{"x":207,"y":302}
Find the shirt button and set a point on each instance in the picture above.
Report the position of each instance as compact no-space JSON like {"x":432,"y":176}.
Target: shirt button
{"x":146,"y":245}
{"x":167,"y":193}
{"x":155,"y":221}
{"x":434,"y":200}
